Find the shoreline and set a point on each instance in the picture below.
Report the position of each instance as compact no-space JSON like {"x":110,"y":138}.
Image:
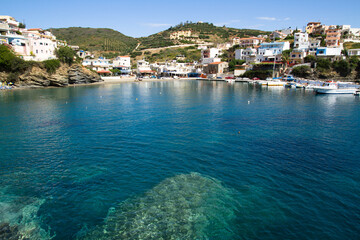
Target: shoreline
{"x":104,"y":82}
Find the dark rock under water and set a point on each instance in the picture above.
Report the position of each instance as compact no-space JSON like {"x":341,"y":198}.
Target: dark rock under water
{"x":9,"y":232}
{"x":187,"y":206}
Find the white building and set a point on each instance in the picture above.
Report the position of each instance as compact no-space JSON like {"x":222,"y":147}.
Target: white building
{"x":101,"y":65}
{"x":123,"y":64}
{"x":143,"y":68}
{"x":122,"y":61}
{"x":268,"y":51}
{"x":210,"y":55}
{"x":301,"y":40}
{"x":248,"y":55}
{"x":328,"y":52}
{"x":354,"y":52}
{"x":314,"y":45}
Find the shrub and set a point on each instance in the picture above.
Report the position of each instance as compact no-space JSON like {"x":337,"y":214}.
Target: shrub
{"x":302,"y":71}
{"x":310,"y":59}
{"x":342,"y":67}
{"x":65,"y":55}
{"x":262,"y":74}
{"x":323,"y":64}
{"x":51,"y":65}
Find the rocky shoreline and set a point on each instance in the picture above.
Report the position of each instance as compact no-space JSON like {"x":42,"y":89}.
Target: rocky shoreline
{"x":65,"y":75}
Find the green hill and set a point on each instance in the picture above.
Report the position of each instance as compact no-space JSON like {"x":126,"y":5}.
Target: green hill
{"x":110,"y":43}
{"x":96,"y":39}
{"x":201,"y":32}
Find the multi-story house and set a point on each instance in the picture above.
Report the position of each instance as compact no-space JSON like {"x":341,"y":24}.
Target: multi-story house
{"x":180,"y":34}
{"x":301,"y":40}
{"x":42,"y":44}
{"x":268,"y":51}
{"x":278,"y":35}
{"x":311,"y":26}
{"x":248,"y":54}
{"x":297,"y":56}
{"x":123,"y":64}
{"x":216,"y":68}
{"x":101,"y":65}
{"x":248,"y":42}
{"x":329,"y":53}
{"x":143,"y":68}
{"x":333,"y":36}
{"x":354,"y":52}
{"x":210,"y":55}
{"x":313,"y":45}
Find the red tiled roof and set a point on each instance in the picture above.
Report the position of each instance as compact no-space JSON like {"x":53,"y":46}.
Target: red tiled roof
{"x":146,"y":71}
{"x":103,"y":71}
{"x":216,"y":63}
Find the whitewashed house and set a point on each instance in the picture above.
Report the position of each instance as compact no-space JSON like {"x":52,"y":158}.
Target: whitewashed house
{"x":301,"y":40}
{"x":100,"y":65}
{"x":269,"y":51}
{"x":248,"y":54}
{"x":354,"y":52}
{"x":210,"y":55}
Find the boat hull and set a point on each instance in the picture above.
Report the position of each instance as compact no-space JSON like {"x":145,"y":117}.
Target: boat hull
{"x":334,"y":91}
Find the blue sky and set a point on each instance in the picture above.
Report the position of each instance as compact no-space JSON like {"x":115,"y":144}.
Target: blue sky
{"x":142,"y":18}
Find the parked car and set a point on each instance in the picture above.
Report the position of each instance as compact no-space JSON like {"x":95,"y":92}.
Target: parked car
{"x":229,"y":77}
{"x":256,"y":78}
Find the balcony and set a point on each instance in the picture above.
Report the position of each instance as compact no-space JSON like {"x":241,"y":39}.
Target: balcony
{"x":4,"y":27}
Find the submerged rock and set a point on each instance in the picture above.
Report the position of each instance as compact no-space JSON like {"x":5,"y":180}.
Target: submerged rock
{"x":9,"y":232}
{"x":187,"y":206}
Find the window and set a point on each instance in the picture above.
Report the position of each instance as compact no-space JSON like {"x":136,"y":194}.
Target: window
{"x":41,"y":43}
{"x":37,"y":51}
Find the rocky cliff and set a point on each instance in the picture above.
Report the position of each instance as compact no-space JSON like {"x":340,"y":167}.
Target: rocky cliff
{"x":65,"y":75}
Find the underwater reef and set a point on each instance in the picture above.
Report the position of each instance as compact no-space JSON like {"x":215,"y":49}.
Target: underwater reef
{"x":187,"y":206}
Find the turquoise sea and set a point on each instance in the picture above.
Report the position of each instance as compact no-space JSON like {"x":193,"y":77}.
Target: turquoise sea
{"x":179,"y":160}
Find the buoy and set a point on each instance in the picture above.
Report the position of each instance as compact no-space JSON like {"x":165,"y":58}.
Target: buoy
{"x":136,"y":99}
{"x":100,"y":96}
{"x":66,"y":102}
{"x":238,"y":132}
{"x":248,"y":102}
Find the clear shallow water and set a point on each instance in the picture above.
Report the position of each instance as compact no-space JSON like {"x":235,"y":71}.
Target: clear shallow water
{"x":287,"y":164}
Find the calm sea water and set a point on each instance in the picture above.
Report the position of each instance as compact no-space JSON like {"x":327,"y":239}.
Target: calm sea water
{"x":270,"y":163}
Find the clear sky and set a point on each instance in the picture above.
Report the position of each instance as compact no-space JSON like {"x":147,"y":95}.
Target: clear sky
{"x":142,"y":18}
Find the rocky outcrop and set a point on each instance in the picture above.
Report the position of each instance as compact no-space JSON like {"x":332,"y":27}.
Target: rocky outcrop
{"x":79,"y":75}
{"x":65,"y":75}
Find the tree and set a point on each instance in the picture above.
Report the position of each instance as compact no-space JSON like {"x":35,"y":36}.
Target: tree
{"x":302,"y":71}
{"x":342,"y":67}
{"x":285,"y":56}
{"x":323,"y":64}
{"x":22,"y":25}
{"x":233,"y":63}
{"x":65,"y":55}
{"x":353,"y":60}
{"x":358,"y":70}
{"x":310,"y":59}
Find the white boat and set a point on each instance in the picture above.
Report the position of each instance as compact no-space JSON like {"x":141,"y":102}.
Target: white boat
{"x":333,"y":88}
{"x":261,"y":82}
{"x":299,"y":85}
{"x":230,"y":80}
{"x":273,"y":83}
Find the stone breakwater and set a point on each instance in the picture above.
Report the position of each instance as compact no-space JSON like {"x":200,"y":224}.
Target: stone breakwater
{"x":64,"y":76}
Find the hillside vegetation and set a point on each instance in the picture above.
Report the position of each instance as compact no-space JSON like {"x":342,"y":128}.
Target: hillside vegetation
{"x":108,"y":42}
{"x":201,"y":32}
{"x":96,"y":39}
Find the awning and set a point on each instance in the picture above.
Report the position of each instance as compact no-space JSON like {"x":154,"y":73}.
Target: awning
{"x":103,"y":71}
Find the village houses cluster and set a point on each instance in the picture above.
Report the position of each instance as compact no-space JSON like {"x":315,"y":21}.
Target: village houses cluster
{"x":316,"y":39}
